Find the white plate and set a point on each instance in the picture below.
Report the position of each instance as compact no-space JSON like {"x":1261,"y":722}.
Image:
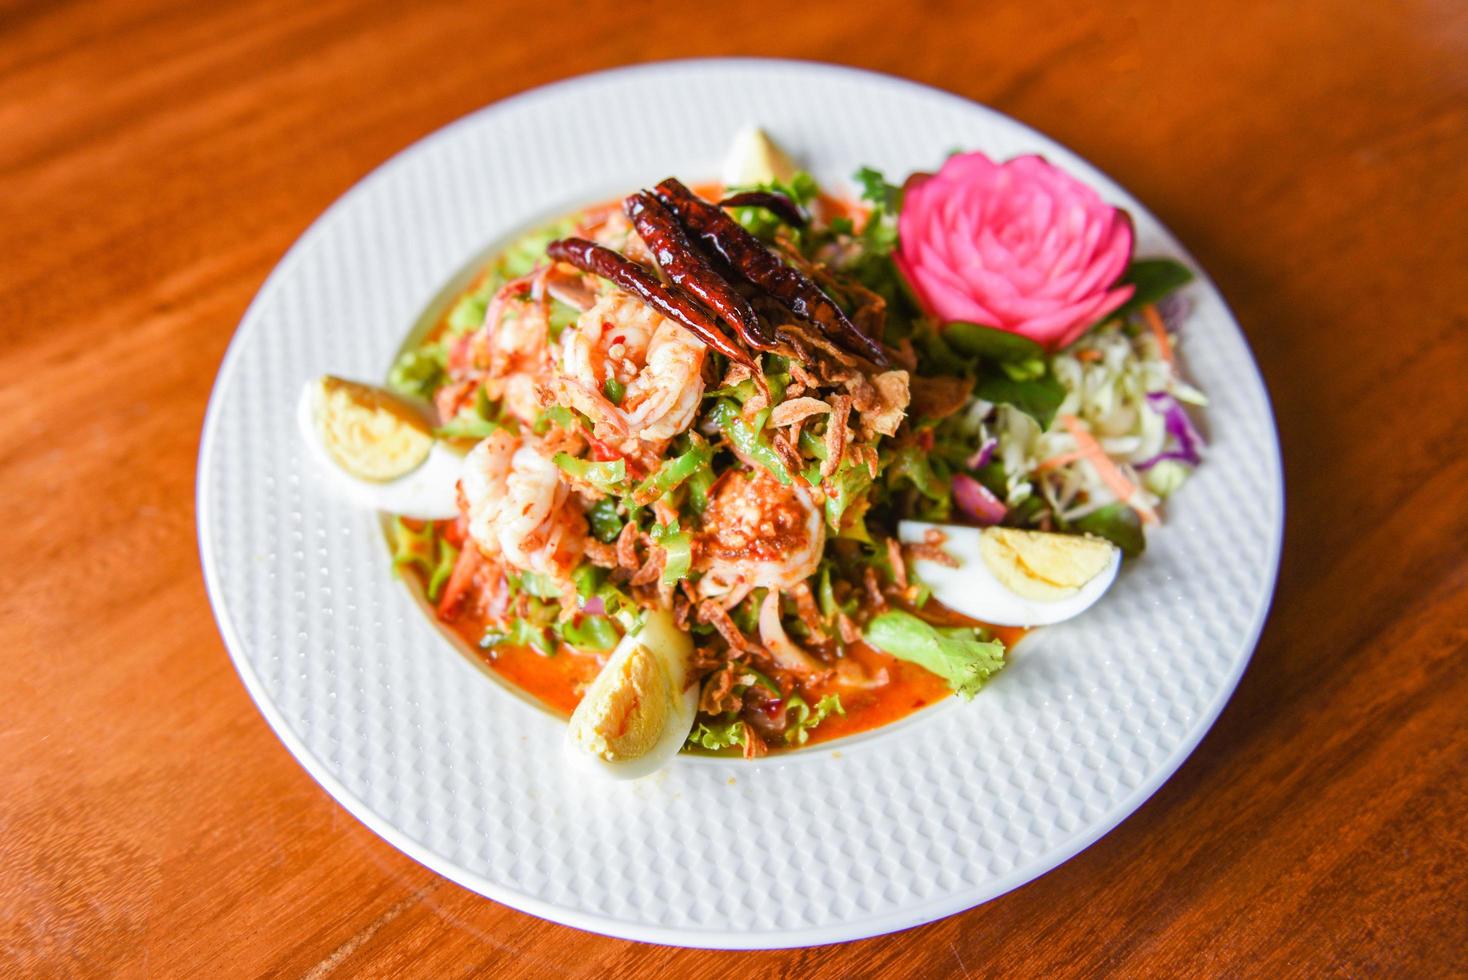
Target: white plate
{"x":958,"y":804}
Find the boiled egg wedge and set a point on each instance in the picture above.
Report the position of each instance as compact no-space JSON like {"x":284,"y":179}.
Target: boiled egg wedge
{"x":1013,"y":577}
{"x":637,"y":713}
{"x":377,"y":449}
{"x":754,"y":158}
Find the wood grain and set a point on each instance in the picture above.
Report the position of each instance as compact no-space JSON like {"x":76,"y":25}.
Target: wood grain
{"x":157,"y":158}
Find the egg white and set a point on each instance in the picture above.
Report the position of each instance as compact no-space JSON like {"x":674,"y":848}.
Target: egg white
{"x":754,"y":158}
{"x":972,"y":589}
{"x":427,"y":493}
{"x":672,"y":647}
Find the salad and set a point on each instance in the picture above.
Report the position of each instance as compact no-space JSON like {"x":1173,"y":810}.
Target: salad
{"x":742,"y":467}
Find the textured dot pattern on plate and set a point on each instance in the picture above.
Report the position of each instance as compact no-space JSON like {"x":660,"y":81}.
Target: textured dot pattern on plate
{"x":934,"y":815}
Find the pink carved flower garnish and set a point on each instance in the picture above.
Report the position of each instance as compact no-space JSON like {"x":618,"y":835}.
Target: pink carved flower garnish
{"x":1020,"y":246}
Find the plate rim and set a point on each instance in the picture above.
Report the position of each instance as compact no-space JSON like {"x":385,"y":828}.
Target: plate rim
{"x":868,"y":926}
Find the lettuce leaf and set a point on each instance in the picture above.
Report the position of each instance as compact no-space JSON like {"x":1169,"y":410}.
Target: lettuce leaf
{"x":520,"y":633}
{"x":419,"y":372}
{"x":801,"y":188}
{"x":527,"y":252}
{"x":413,"y":548}
{"x":1152,"y":279}
{"x":591,"y":633}
{"x":1038,"y":397}
{"x":977,"y":340}
{"x":477,"y":420}
{"x":803,"y":718}
{"x":915,"y":465}
{"x":1118,"y":524}
{"x":718,"y":734}
{"x":876,"y":190}
{"x":468,"y":313}
{"x":850,"y":482}
{"x":959,"y":655}
{"x":748,"y":438}
{"x":535,"y":584}
{"x":448,"y":557}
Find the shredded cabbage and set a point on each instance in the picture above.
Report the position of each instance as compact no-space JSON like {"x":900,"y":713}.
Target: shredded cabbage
{"x":1108,"y":375}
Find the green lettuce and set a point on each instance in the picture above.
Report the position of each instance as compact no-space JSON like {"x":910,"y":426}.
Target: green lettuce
{"x":591,"y":633}
{"x":802,"y":718}
{"x":801,"y":188}
{"x":448,"y":557}
{"x":412,"y":548}
{"x":1038,"y":397}
{"x":468,"y":313}
{"x":1118,"y":524}
{"x":977,"y":340}
{"x":717,"y":735}
{"x":959,"y":655}
{"x":419,"y":372}
{"x":1151,"y":280}
{"x":478,"y":420}
{"x":520,"y":633}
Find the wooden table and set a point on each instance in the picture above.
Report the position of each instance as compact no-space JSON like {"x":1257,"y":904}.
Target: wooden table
{"x":158,"y":158}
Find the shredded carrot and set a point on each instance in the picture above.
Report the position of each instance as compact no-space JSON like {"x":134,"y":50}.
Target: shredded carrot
{"x":1055,"y":462}
{"x":1159,"y":330}
{"x":1088,"y":355}
{"x":1107,"y":470}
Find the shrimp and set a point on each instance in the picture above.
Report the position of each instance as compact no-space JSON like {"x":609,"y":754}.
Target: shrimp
{"x":519,"y":510}
{"x":758,"y":534}
{"x":656,"y":364}
{"x":614,"y":229}
{"x":510,"y":353}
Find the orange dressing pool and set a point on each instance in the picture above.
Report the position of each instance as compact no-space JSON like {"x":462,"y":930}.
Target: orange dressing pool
{"x":558,"y":681}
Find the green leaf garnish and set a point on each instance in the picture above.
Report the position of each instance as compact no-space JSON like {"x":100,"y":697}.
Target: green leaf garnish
{"x":717,"y":735}
{"x":468,"y":313}
{"x":1118,"y":524}
{"x":959,"y":655}
{"x":802,"y":719}
{"x":800,"y":188}
{"x":876,"y":190}
{"x":520,"y":633}
{"x":591,"y":633}
{"x":417,"y":373}
{"x":538,"y":585}
{"x":1153,"y":279}
{"x":448,"y":556}
{"x":977,"y":340}
{"x":1039,"y":398}
{"x":413,"y":548}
